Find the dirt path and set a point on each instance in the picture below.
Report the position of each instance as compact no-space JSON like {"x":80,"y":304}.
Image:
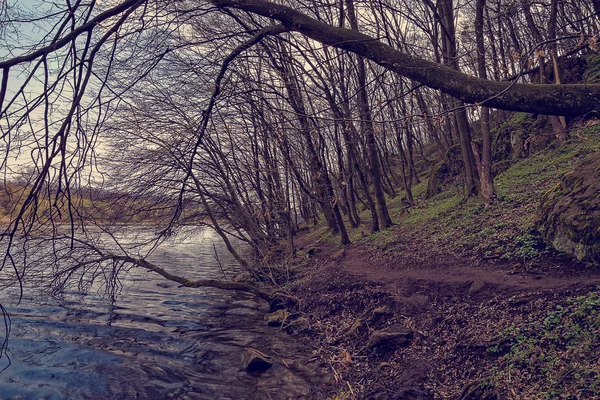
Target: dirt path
{"x":429,"y":272}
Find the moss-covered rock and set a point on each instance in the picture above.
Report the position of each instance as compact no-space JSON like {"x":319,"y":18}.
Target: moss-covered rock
{"x":509,"y":137}
{"x":519,"y":136}
{"x":569,"y":214}
{"x":445,"y":171}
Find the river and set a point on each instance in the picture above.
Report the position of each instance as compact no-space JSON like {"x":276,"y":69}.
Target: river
{"x":155,"y":341}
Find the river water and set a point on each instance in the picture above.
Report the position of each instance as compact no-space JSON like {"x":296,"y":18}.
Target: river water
{"x":156,"y":341}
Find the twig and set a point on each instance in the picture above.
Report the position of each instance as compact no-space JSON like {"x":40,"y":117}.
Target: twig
{"x":218,"y":260}
{"x":351,"y":390}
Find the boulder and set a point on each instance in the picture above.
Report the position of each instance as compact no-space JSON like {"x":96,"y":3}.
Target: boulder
{"x":255,"y":361}
{"x":517,"y":137}
{"x":444,"y":172}
{"x":276,"y":318}
{"x":391,"y":337}
{"x":569,"y":214}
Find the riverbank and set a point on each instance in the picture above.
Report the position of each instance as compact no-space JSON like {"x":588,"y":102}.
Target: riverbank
{"x":457,"y":300}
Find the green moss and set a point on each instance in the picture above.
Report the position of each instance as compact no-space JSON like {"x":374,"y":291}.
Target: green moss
{"x":519,"y":125}
{"x":520,"y":120}
{"x":435,"y":208}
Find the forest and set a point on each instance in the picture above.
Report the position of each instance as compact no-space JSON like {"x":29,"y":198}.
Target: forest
{"x":414,"y":183}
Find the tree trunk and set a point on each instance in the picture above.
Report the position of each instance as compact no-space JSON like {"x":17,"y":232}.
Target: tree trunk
{"x":569,"y":100}
{"x":367,"y":124}
{"x":485,"y":160}
{"x":450,"y":52}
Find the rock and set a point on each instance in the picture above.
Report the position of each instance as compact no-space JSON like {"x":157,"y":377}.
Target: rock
{"x":522,"y":300}
{"x":569,"y":215}
{"x":298,"y":326}
{"x":392,"y":337}
{"x":276,"y":318}
{"x":444,"y":172}
{"x":276,"y":304}
{"x":255,"y":361}
{"x":475,"y":286}
{"x":383,"y":310}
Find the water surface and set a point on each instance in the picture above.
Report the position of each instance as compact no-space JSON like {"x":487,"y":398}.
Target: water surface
{"x":156,"y":341}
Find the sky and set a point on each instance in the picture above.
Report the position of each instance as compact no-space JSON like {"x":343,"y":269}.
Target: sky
{"x":26,"y":37}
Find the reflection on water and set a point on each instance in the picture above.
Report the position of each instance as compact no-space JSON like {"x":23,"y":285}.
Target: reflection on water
{"x":156,"y":341}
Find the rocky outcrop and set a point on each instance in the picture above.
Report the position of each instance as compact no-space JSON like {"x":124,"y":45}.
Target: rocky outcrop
{"x":569,"y":214}
{"x":517,"y":137}
{"x":445,"y":171}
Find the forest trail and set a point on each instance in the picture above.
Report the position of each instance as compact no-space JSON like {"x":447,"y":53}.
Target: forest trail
{"x":429,"y":272}
{"x":421,"y":269}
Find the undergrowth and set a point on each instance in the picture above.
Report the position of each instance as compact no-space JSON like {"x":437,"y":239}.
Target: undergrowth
{"x":555,"y":356}
{"x":505,"y":230}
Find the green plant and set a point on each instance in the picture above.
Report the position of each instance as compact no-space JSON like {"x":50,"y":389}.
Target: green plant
{"x":556,"y":354}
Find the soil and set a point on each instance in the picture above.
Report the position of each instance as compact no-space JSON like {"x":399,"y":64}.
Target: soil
{"x":455,"y":305}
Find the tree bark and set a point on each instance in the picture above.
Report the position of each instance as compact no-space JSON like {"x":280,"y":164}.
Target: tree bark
{"x":450,"y":52}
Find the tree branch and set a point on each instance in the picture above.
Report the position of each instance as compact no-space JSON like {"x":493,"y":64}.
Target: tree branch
{"x":570,"y":100}
{"x":189,"y":283}
{"x":87,"y":27}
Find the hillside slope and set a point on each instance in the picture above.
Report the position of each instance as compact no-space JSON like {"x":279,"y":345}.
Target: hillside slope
{"x":484,"y":309}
